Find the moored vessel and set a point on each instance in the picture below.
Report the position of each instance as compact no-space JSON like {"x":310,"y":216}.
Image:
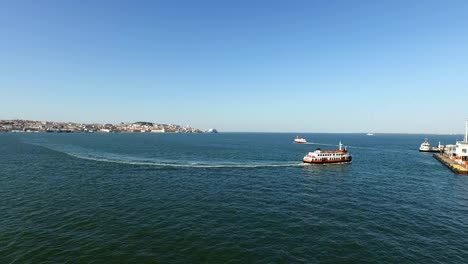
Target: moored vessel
{"x":319,"y":156}
{"x":299,"y":140}
{"x":426,"y":147}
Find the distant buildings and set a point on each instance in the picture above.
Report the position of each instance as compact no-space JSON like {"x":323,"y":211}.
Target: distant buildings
{"x":68,"y":127}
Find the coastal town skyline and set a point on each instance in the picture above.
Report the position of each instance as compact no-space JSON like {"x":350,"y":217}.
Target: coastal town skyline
{"x":26,"y":125}
{"x":31,"y":126}
{"x":360,"y":66}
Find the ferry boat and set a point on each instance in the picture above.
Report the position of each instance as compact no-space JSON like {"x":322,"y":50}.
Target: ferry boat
{"x":328,"y":156}
{"x":299,"y":140}
{"x":426,"y":147}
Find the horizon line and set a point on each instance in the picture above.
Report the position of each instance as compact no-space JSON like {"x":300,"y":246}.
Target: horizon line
{"x":236,"y":131}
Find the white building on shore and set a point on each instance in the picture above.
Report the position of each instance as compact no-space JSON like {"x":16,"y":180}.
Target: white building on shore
{"x":158,"y":130}
{"x":461,"y":149}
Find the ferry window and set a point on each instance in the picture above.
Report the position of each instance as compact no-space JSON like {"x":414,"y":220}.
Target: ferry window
{"x":464,"y":150}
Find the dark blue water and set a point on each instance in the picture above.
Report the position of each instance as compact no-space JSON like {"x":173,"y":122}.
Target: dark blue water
{"x":227,"y":198}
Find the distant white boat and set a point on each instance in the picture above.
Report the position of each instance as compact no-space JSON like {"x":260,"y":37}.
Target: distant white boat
{"x":299,"y":140}
{"x":369,"y":134}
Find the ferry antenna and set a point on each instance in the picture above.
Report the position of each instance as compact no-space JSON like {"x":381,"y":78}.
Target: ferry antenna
{"x":466,"y":130}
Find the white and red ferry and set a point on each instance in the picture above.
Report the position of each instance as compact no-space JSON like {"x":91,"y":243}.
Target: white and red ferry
{"x":328,"y":156}
{"x":299,"y":140}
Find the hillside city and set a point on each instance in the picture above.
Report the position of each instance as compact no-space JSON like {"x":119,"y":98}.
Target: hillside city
{"x":30,"y":126}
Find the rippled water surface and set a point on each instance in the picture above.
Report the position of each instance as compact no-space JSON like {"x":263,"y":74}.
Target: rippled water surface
{"x":227,"y":198}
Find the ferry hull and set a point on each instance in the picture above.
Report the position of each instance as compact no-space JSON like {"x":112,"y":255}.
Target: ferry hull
{"x":431,"y":150}
{"x":326,"y":161}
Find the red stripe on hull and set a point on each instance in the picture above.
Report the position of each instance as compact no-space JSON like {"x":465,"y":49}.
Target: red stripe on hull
{"x":329,"y":161}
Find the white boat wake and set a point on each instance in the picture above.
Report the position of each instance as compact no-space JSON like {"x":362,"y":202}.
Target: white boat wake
{"x":128,"y":160}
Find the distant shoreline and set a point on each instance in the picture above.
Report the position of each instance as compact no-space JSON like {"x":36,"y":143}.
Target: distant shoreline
{"x":32,"y":126}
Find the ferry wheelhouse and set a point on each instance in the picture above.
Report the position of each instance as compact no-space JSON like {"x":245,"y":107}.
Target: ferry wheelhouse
{"x":319,"y":156}
{"x":299,"y":140}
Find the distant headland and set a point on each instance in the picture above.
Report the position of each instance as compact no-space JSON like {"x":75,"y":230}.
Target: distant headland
{"x":18,"y":125}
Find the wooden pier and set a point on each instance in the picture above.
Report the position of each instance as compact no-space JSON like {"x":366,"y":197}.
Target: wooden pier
{"x":452,"y":165}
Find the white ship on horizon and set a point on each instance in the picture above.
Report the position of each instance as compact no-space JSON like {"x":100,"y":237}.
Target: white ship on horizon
{"x":299,"y":140}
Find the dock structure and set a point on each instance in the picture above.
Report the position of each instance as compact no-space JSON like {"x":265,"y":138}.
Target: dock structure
{"x":451,"y":164}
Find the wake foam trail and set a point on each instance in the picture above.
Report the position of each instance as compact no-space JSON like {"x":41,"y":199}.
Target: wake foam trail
{"x":100,"y":158}
{"x":180,"y":165}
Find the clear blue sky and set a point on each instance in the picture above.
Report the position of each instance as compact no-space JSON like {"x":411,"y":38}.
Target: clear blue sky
{"x":302,"y":66}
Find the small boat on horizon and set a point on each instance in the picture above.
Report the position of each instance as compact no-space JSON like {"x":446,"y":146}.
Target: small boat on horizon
{"x":319,"y":156}
{"x":299,"y":140}
{"x":370,"y":134}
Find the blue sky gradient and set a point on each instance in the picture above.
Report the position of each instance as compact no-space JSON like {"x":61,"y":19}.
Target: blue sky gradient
{"x":299,"y":66}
